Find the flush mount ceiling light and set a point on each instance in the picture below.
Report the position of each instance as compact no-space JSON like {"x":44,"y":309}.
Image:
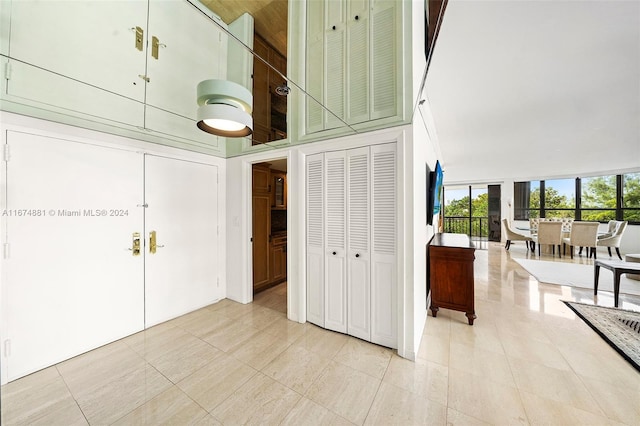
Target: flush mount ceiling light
{"x":224,"y":108}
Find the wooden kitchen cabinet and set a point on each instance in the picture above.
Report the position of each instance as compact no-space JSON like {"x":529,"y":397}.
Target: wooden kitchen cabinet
{"x":261,"y":211}
{"x":279,"y":185}
{"x":451,"y":281}
{"x":269,"y":107}
{"x":278,"y":271}
{"x":269,"y":237}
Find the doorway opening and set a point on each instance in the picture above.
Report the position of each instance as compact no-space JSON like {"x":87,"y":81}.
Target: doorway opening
{"x":269,"y":223}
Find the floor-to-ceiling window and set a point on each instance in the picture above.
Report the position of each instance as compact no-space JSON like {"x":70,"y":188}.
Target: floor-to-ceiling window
{"x":592,"y":198}
{"x":466,"y":210}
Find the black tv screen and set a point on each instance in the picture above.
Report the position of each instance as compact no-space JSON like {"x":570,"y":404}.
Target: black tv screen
{"x":434,"y":192}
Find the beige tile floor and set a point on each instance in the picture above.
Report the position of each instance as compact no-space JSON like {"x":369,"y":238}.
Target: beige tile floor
{"x":527,"y":360}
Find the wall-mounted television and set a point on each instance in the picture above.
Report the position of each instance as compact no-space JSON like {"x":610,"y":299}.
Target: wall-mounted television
{"x":434,"y":192}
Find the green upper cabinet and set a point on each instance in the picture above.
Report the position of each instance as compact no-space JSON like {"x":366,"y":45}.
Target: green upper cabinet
{"x":78,"y":57}
{"x":91,"y":42}
{"x":190,"y":48}
{"x":353,"y":65}
{"x":130,"y":65}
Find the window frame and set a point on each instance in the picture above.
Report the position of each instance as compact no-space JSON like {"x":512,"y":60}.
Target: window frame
{"x":620,"y":210}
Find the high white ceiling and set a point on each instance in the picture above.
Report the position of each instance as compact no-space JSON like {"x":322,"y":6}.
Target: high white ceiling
{"x":536,"y":89}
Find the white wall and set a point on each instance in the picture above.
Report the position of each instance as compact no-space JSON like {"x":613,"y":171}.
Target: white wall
{"x":421,"y":149}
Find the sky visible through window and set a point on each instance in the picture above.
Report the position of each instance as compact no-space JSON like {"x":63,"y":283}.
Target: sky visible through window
{"x":566,"y":187}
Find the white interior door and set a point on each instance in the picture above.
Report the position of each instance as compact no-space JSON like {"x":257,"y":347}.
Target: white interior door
{"x":182,"y":208}
{"x":384,"y":305}
{"x":336,"y":218}
{"x":315,"y":239}
{"x":358,"y":244}
{"x":70,"y":282}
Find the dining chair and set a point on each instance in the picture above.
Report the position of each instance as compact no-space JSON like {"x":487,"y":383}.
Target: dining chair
{"x":613,"y":236}
{"x":533,"y":225}
{"x":583,"y":234}
{"x":511,"y":235}
{"x":549,"y":233}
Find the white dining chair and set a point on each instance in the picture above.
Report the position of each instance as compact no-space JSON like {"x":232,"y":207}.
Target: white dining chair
{"x":549,"y":233}
{"x":583,"y":234}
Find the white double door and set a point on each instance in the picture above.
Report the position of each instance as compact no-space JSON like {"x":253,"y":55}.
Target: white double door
{"x":351,"y":238}
{"x":73,"y":211}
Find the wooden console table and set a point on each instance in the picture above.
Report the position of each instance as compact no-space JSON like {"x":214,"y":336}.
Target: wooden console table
{"x":451,"y":259}
{"x":618,"y":268}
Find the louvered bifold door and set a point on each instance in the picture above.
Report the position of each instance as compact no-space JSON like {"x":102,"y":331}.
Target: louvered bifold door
{"x":383,"y":251}
{"x":315,"y":67}
{"x":336,"y":241}
{"x":358,"y":29}
{"x":315,"y":239}
{"x":384,"y":58}
{"x":334,"y":62}
{"x":358,"y":256}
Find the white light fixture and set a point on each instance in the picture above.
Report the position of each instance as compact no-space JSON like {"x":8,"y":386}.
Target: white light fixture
{"x":224,"y":108}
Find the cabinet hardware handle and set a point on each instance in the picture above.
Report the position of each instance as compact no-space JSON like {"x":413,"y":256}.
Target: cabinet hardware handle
{"x":144,"y":77}
{"x":357,"y":17}
{"x":357,"y":254}
{"x":333,"y":28}
{"x":334,"y":253}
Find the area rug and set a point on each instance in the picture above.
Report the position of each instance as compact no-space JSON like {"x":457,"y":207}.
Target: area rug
{"x":618,"y":327}
{"x":575,"y":275}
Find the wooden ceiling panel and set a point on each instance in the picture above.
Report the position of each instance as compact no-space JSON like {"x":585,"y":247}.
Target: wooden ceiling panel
{"x":270,"y":17}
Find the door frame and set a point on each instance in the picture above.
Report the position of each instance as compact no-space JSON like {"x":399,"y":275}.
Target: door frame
{"x":248,"y":249}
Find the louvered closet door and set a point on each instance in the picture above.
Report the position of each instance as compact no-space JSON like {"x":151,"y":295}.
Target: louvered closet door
{"x":384,"y":54}
{"x":335,"y":32}
{"x":336,"y":244}
{"x":315,"y":239}
{"x":315,"y":66}
{"x":358,"y":256}
{"x":358,"y":61}
{"x":383,"y":252}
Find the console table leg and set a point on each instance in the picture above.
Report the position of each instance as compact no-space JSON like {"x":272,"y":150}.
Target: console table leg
{"x":434,"y":310}
{"x":596,"y":274}
{"x":471,"y":316}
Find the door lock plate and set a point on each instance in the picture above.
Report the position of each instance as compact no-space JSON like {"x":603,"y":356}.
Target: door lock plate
{"x":152,"y":242}
{"x":135,"y":244}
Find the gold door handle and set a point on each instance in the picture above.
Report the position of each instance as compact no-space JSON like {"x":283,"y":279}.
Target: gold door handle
{"x":139,"y":37}
{"x":155,"y":47}
{"x":153,"y":245}
{"x":135,"y":244}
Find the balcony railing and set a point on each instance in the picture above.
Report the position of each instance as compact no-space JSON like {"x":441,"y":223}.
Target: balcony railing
{"x":475,"y":227}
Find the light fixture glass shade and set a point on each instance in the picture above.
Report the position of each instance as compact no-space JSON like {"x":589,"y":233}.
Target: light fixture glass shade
{"x":224,"y":120}
{"x":224,"y":108}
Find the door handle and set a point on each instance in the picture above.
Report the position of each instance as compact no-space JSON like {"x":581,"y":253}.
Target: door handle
{"x":153,"y":245}
{"x":135,"y":244}
{"x":139,"y":35}
{"x":155,"y":46}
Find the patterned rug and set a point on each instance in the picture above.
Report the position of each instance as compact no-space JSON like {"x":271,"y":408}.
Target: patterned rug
{"x":618,"y":327}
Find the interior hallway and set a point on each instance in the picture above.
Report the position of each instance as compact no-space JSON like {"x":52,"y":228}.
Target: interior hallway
{"x":526,"y":360}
